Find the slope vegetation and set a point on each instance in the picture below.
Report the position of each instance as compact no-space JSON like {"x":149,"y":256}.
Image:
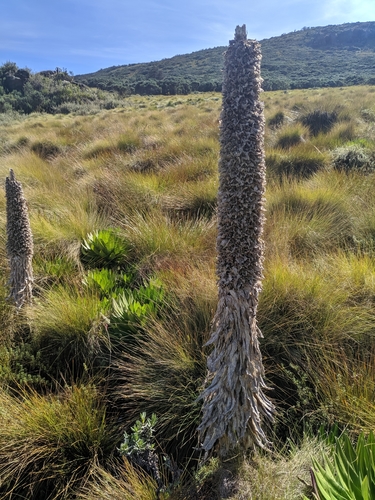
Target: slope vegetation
{"x":330,"y":56}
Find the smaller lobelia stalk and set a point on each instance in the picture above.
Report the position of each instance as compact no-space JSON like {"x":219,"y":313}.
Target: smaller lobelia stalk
{"x":19,"y":243}
{"x":234,"y":403}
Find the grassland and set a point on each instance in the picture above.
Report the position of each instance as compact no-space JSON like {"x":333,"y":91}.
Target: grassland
{"x":122,"y":209}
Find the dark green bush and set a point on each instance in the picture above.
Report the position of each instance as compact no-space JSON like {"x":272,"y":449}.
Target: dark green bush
{"x":22,"y":364}
{"x":319,"y":121}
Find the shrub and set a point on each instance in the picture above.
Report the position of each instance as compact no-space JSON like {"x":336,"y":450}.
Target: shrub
{"x":21,"y":365}
{"x":139,"y":446}
{"x":353,"y":158}
{"x":368,"y":115}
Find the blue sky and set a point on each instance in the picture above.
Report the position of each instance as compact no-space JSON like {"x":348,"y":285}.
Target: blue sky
{"x":86,"y":35}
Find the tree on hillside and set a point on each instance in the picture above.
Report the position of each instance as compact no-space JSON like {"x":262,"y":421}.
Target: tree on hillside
{"x":234,"y":404}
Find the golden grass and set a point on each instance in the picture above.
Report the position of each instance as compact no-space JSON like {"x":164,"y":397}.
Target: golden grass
{"x":284,"y":475}
{"x":149,"y":169}
{"x":128,"y":484}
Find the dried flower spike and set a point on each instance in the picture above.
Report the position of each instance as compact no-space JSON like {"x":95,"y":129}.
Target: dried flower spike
{"x":19,"y":243}
{"x":234,"y":404}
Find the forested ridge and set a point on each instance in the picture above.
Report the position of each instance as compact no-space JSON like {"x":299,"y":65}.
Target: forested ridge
{"x":330,"y":56}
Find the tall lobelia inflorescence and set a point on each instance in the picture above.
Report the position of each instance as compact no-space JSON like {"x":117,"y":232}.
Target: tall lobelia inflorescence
{"x":234,"y":404}
{"x":19,"y":243}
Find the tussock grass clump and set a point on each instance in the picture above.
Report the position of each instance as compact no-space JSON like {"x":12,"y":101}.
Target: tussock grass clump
{"x":69,"y":328}
{"x":344,"y":131}
{"x":192,"y":200}
{"x":312,"y":221}
{"x":46,"y":150}
{"x":302,"y":161}
{"x":163,"y":372}
{"x":346,"y":386}
{"x":127,"y":484}
{"x":164,"y":375}
{"x":129,"y":142}
{"x":100,"y":148}
{"x":59,"y":231}
{"x":156,"y":234}
{"x":125,"y":143}
{"x":277,"y":120}
{"x":299,"y":308}
{"x":318,"y":318}
{"x":50,"y":443}
{"x":290,"y":137}
{"x":117,"y":196}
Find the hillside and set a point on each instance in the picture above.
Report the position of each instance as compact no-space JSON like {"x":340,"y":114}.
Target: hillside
{"x":330,"y":56}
